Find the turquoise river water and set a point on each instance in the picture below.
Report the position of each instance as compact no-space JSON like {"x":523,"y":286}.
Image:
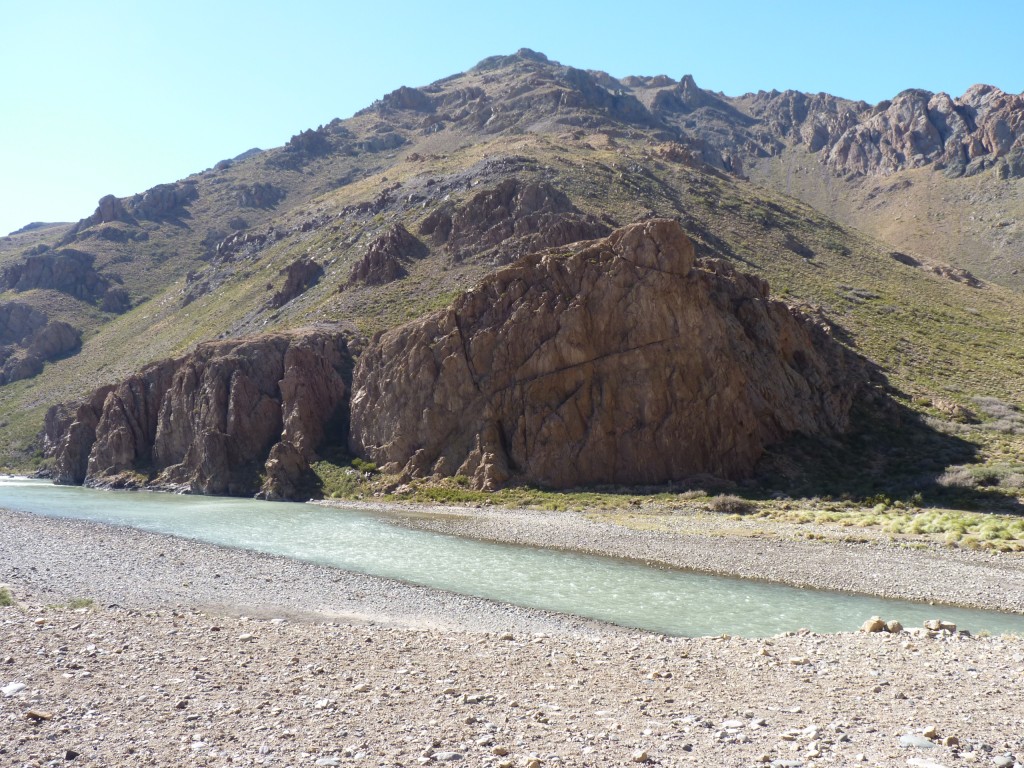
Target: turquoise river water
{"x":625,"y":593}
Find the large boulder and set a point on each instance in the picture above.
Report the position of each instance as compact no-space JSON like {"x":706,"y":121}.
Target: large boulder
{"x":220,"y":420}
{"x":623,"y":360}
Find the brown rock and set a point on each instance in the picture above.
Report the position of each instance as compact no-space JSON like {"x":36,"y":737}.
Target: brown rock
{"x":874,"y":624}
{"x":210,"y":421}
{"x":387,"y":256}
{"x":622,"y":361}
{"x":54,"y":340}
{"x":301,"y":275}
{"x":510,"y":220}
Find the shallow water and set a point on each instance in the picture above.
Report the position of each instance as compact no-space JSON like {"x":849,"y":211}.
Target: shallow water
{"x":666,"y":601}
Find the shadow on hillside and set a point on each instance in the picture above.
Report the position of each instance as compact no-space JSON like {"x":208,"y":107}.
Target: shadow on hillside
{"x":891,"y":452}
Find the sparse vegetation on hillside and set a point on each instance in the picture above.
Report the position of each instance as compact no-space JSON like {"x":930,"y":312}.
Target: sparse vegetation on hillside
{"x":945,"y":346}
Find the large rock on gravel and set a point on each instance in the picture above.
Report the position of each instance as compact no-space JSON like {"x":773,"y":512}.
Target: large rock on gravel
{"x":623,"y":360}
{"x":214,"y":421}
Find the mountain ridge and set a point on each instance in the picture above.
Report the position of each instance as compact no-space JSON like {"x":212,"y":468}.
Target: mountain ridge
{"x":274,"y":240}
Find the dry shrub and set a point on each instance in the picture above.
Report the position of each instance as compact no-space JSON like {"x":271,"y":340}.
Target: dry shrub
{"x":732,"y":505}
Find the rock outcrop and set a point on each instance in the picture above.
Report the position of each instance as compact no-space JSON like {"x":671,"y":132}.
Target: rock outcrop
{"x":28,"y":340}
{"x":54,"y":340}
{"x":510,"y":220}
{"x":301,"y":275}
{"x":69,"y":271}
{"x":234,"y":417}
{"x":387,"y":256}
{"x":259,"y":195}
{"x":624,"y":360}
{"x":982,"y":128}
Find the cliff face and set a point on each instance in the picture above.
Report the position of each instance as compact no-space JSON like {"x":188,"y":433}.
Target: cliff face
{"x":233,"y":417}
{"x":623,"y":361}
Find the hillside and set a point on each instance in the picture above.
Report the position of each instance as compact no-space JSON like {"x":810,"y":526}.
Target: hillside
{"x":364,"y":223}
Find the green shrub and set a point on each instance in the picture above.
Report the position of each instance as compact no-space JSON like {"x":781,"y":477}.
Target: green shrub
{"x":6,"y":598}
{"x":364,"y":466}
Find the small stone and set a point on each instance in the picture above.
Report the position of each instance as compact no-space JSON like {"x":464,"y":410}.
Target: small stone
{"x":765,"y":758}
{"x":506,"y":636}
{"x":447,"y":757}
{"x":38,"y":715}
{"x":921,"y":762}
{"x":246,"y":637}
{"x":732,"y":723}
{"x":951,"y":741}
{"x":361,"y":688}
{"x":930,"y":732}
{"x":1002,"y":761}
{"x":893,"y":627}
{"x":641,"y":756}
{"x":71,"y":754}
{"x":799,"y":660}
{"x":916,"y":740}
{"x":12,"y":688}
{"x":328,"y":761}
{"x":534,"y":762}
{"x":500,"y":750}
{"x":874,"y":624}
{"x":40,"y":622}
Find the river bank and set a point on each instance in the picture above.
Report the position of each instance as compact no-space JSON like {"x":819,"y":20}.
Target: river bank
{"x":331,"y":668}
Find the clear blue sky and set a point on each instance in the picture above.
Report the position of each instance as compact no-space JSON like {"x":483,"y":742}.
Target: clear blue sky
{"x":116,"y":96}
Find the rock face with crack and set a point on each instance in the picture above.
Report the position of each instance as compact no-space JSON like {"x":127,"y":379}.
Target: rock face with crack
{"x":234,"y":417}
{"x":624,"y":360}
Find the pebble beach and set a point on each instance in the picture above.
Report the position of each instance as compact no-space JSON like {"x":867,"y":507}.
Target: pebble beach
{"x":128,"y":648}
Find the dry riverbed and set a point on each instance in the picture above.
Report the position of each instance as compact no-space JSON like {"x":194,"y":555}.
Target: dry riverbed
{"x":331,"y":668}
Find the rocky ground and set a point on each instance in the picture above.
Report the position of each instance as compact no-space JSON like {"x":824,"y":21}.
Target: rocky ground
{"x":330,"y":668}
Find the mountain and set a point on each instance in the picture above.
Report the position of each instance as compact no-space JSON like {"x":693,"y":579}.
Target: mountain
{"x":363,"y":224}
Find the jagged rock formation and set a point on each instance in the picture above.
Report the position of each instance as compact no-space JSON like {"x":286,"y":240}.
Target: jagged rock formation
{"x":28,"y":341}
{"x":510,"y":220}
{"x":26,"y":356}
{"x":260,"y":195}
{"x":211,"y":422}
{"x":622,"y":361}
{"x":67,"y":270}
{"x":386,"y":257}
{"x":164,"y":201}
{"x":301,"y":275}
{"x":18,"y":322}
